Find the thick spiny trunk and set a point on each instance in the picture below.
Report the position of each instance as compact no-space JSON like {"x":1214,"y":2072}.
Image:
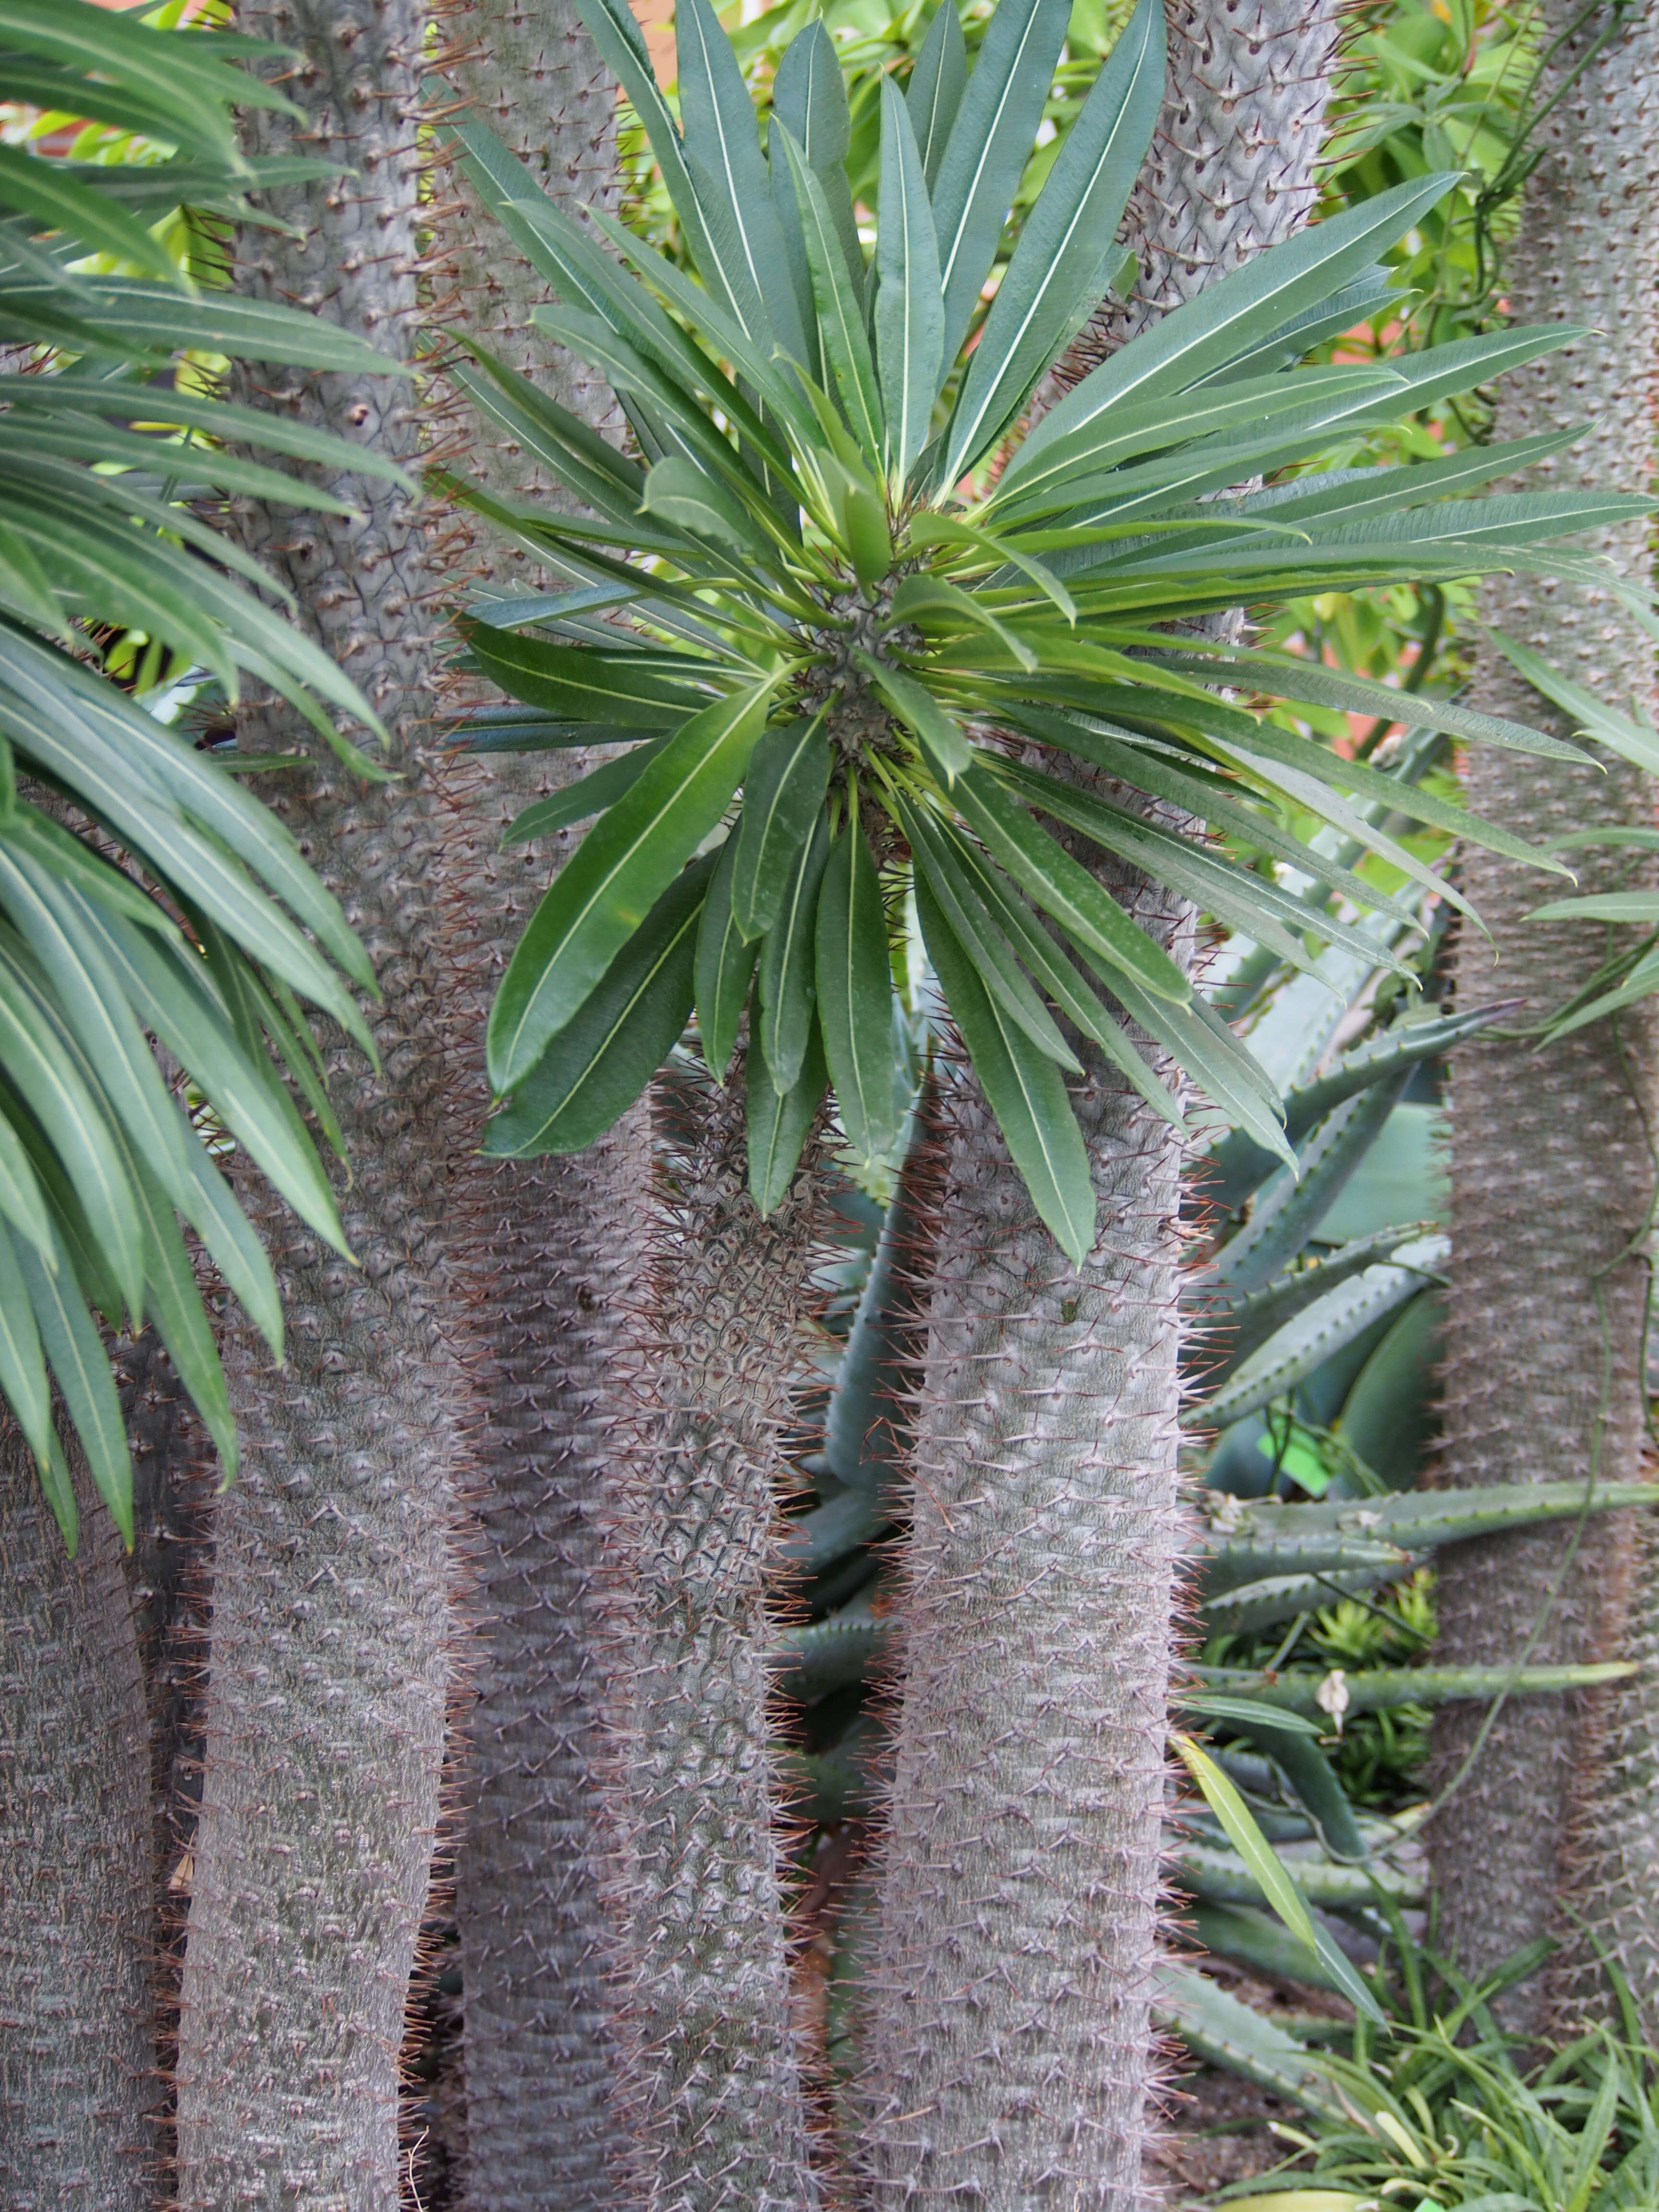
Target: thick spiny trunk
{"x":719,"y":2120}
{"x":552,"y":1252}
{"x":77,"y":2081}
{"x":331,"y":1661}
{"x":1010,"y":2045}
{"x":1551,"y":1161}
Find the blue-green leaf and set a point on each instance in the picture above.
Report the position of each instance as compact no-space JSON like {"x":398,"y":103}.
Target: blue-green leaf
{"x":937,"y":84}
{"x":856,"y":995}
{"x":788,"y":985}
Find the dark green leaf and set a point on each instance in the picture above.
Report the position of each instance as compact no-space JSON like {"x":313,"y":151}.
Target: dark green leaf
{"x":582,"y":686}
{"x":1023,"y":1088}
{"x":856,"y":995}
{"x":909,"y":312}
{"x":76,"y":1350}
{"x":788,"y":985}
{"x":1056,"y":275}
{"x":780,"y":1122}
{"x":725,"y":965}
{"x":937,"y":84}
{"x":782,"y":798}
{"x":989,"y":144}
{"x":839,"y":309}
{"x":589,"y":794}
{"x":625,"y":863}
{"x":22,"y":1364}
{"x":619,"y":1037}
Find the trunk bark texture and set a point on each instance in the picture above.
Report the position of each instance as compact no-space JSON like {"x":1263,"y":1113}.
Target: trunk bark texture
{"x":1551,"y":1164}
{"x":77,"y":2064}
{"x":331,"y":1636}
{"x":1011,"y":2048}
{"x":719,"y":2119}
{"x":552,"y":1251}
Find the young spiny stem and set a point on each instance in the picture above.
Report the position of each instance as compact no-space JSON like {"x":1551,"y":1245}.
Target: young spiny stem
{"x":77,"y":2079}
{"x":1552,"y":1158}
{"x":331,"y":1638}
{"x":552,"y":1251}
{"x":719,"y":2117}
{"x":1010,"y":2048}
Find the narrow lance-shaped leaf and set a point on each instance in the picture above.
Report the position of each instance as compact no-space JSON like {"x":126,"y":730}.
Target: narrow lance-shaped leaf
{"x":725,"y":967}
{"x":937,"y":84}
{"x":909,"y":312}
{"x":783,"y":796}
{"x":840,"y":313}
{"x":1023,"y":1088}
{"x":624,"y":864}
{"x":855,"y":994}
{"x":788,"y":983}
{"x":989,"y":144}
{"x":617,"y":1038}
{"x":779,"y":1122}
{"x":1055,"y":275}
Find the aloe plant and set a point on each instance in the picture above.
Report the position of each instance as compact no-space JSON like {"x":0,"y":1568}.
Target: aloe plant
{"x":1545,"y":1312}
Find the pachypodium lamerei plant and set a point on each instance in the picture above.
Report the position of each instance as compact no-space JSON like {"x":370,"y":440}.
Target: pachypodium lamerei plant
{"x":822,"y":616}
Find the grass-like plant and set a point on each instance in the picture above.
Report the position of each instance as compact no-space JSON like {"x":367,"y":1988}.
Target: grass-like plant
{"x":822,"y":617}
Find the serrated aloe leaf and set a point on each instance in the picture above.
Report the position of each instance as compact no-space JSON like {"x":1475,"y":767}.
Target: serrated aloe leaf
{"x":1287,"y":1217}
{"x":1220,"y":2028}
{"x":1374,"y":1690}
{"x":619,"y":1037}
{"x":1238,"y":1165}
{"x":1338,"y":1319}
{"x":1244,"y":1327}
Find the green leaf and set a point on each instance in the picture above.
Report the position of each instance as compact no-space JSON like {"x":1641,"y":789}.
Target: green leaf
{"x":780,"y":1122}
{"x":920,"y":596}
{"x":55,"y":201}
{"x":1057,"y":273}
{"x":611,"y":25}
{"x":173,"y":994}
{"x":783,"y":797}
{"x":1213,"y":328}
{"x":989,"y":144}
{"x":787,"y":984}
{"x":22,"y":1363}
{"x":679,"y":492}
{"x":840,"y":309}
{"x":723,"y":153}
{"x":856,"y":995}
{"x":1023,"y":1087}
{"x":1631,"y":740}
{"x":1063,"y":887}
{"x":580,"y":685}
{"x":810,"y":97}
{"x":605,"y":480}
{"x":625,"y":863}
{"x":937,"y":84}
{"x":1263,"y":1861}
{"x":978,"y":933}
{"x":725,"y":965}
{"x":910,"y":313}
{"x":32,"y":1050}
{"x":943,"y":740}
{"x":618,"y":1037}
{"x":589,"y":794}
{"x":72,"y":1345}
{"x":136,"y":315}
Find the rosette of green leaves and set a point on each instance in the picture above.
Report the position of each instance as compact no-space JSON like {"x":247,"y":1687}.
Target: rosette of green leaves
{"x":147,"y":899}
{"x":849,"y":666}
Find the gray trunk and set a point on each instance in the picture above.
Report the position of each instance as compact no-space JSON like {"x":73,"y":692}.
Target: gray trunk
{"x":77,"y":2079}
{"x":1010,"y":2045}
{"x":719,"y":2121}
{"x":330,"y":1659}
{"x":552,"y":1251}
{"x":1551,"y":1162}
